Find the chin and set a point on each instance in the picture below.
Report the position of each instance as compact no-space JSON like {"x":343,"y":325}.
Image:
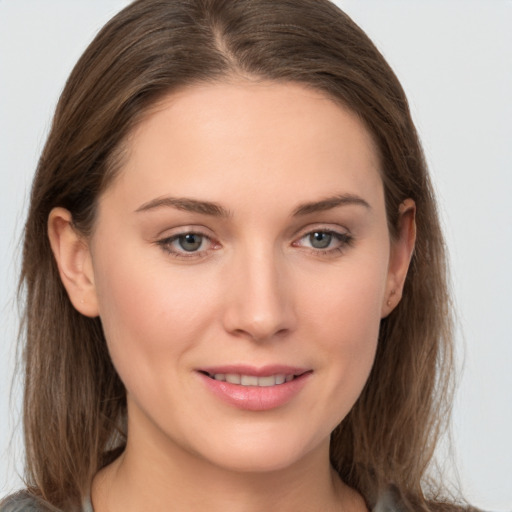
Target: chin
{"x":263,"y":454}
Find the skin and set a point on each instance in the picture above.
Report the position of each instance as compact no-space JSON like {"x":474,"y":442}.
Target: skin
{"x":256,"y":292}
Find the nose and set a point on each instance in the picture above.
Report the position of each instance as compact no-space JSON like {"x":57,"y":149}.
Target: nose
{"x":259,"y":297}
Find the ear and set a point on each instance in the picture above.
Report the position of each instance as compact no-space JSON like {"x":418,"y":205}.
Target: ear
{"x":71,"y":251}
{"x":402,"y":248}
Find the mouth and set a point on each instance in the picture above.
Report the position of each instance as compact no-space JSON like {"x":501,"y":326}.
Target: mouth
{"x":253,"y":380}
{"x":255,"y":388}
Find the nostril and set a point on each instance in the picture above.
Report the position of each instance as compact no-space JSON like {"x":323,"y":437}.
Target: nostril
{"x":258,"y":315}
{"x":261,"y":334}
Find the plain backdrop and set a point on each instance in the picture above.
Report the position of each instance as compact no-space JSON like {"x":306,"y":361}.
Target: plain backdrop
{"x":454,"y":59}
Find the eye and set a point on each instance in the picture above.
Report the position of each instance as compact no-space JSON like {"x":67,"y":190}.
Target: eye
{"x":188,"y":244}
{"x":324,"y":241}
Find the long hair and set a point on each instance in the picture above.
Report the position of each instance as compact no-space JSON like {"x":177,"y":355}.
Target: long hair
{"x":75,"y":403}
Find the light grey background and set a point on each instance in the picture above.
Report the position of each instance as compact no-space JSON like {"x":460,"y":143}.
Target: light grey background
{"x":454,"y":59}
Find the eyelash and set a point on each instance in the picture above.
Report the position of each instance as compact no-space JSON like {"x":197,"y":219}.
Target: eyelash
{"x":166,"y":245}
{"x":344,"y":240}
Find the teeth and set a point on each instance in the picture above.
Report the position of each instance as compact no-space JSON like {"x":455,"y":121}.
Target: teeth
{"x":252,"y":380}
{"x":248,"y":380}
{"x":265,"y":381}
{"x":280,"y":379}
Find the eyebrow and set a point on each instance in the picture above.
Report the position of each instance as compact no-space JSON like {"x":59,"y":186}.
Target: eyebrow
{"x":216,"y":210}
{"x":185,"y":204}
{"x":330,"y":203}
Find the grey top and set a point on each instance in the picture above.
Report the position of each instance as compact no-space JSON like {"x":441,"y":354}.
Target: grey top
{"x":24,"y":502}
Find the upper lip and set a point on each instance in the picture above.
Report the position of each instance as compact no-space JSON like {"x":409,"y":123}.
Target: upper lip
{"x":261,"y":371}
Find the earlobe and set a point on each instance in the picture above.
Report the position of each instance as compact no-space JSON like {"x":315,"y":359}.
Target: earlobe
{"x":72,"y":254}
{"x":402,"y":248}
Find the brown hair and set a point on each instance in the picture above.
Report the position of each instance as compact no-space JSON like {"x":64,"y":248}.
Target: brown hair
{"x":74,"y":405}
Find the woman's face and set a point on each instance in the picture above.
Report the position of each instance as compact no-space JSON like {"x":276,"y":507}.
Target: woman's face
{"x":241,"y":264}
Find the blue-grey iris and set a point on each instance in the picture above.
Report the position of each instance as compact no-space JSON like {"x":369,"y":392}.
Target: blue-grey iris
{"x":320,"y":239}
{"x":190,"y":242}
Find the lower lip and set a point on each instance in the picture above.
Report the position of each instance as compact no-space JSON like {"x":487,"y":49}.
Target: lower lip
{"x":256,"y":398}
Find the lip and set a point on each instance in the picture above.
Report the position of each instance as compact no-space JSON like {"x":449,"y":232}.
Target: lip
{"x":255,"y":398}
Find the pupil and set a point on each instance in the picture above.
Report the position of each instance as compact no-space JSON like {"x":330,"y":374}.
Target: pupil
{"x":320,"y":240}
{"x":190,"y":242}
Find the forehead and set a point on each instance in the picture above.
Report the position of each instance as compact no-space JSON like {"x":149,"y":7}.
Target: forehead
{"x":227,"y":139}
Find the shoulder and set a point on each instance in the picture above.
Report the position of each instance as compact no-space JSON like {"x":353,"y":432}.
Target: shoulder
{"x":22,"y":501}
{"x":392,"y":500}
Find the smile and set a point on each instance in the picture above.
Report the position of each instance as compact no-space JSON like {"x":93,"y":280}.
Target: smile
{"x":253,"y":380}
{"x":255,"y":389}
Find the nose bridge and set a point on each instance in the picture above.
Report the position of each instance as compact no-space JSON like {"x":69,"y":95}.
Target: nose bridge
{"x":259,"y":304}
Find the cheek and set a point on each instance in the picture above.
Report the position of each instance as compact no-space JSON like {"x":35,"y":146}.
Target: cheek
{"x":150,"y":316}
{"x":352,"y":327}
{"x":346,"y":301}
{"x":345,"y":321}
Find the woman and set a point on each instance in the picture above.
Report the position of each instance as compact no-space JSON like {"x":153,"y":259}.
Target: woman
{"x":231,"y":231}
